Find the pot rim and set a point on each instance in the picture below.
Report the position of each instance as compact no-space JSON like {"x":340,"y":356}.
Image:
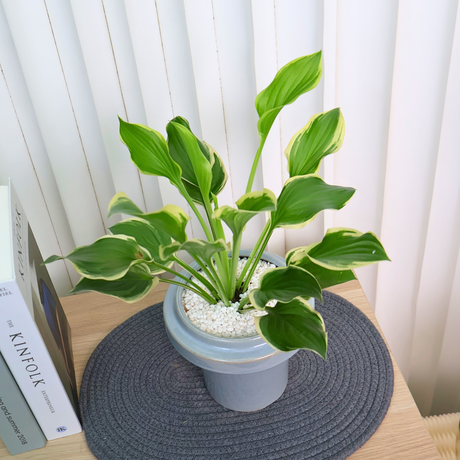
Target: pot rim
{"x":204,"y":345}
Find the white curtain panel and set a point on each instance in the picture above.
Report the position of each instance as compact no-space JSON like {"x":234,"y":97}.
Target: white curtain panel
{"x":69,"y":67}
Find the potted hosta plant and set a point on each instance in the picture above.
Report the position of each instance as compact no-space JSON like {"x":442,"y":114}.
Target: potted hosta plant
{"x":241,"y":334}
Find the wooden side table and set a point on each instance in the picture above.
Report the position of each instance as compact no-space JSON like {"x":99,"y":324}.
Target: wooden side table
{"x":402,"y":435}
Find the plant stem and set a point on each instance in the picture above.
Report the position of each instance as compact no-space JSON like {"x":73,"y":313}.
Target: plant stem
{"x":197,"y":275}
{"x":220,"y":286}
{"x":195,"y":210}
{"x":243,"y":303}
{"x":188,"y":280}
{"x":254,"y":164}
{"x":202,"y":294}
{"x":221,"y":258}
{"x":234,"y":266}
{"x":253,"y":253}
{"x":256,"y":259}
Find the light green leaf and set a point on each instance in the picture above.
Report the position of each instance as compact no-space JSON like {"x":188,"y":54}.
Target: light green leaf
{"x":294,"y":79}
{"x":196,"y":247}
{"x":166,"y":252}
{"x":134,"y":286}
{"x":109,"y":257}
{"x":149,"y":151}
{"x":204,"y":249}
{"x":145,"y":235}
{"x":284,"y":284}
{"x":322,"y":136}
{"x":324,"y":276}
{"x":235,"y":219}
{"x":219,"y":173}
{"x":170,"y":219}
{"x":345,"y":248}
{"x":259,"y":201}
{"x":184,"y":148}
{"x":249,"y":205}
{"x":292,"y":326}
{"x":180,"y":155}
{"x":303,"y":197}
{"x":120,"y":203}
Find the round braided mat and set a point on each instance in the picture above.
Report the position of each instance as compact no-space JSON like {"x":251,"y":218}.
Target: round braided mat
{"x":141,"y":400}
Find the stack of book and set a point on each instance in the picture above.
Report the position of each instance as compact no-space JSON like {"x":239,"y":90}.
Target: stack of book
{"x":38,"y":393}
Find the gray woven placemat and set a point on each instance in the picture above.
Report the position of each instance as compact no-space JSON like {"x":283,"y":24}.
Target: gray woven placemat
{"x":141,"y":400}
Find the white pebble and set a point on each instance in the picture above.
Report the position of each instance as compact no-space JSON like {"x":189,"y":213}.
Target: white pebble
{"x":221,"y":320}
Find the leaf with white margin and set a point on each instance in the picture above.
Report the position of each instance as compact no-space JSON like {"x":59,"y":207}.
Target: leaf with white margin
{"x":133,"y":286}
{"x":170,"y":219}
{"x":184,"y":148}
{"x":293,"y":325}
{"x":324,"y":276}
{"x":195,"y":247}
{"x":120,"y":203}
{"x":303,"y":197}
{"x":291,"y":81}
{"x":346,"y":248}
{"x":284,"y":284}
{"x":322,"y":136}
{"x":145,"y":235}
{"x":109,"y":257}
{"x":249,"y":205}
{"x":149,"y":151}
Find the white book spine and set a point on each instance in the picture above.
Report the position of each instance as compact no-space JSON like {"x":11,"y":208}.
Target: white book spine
{"x":30,"y":363}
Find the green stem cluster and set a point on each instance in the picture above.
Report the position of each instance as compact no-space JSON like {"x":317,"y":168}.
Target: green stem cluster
{"x":221,"y":280}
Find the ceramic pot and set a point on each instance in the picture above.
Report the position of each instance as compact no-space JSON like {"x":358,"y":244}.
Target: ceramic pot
{"x":242,"y":374}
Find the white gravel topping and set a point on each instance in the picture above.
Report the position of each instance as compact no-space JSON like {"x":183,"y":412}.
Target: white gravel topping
{"x":218,"y":319}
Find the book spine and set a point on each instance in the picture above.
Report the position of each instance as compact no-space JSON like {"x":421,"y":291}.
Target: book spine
{"x":25,"y":353}
{"x":18,"y":428}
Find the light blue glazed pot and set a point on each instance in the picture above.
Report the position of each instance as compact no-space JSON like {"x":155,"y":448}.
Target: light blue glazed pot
{"x":242,"y":374}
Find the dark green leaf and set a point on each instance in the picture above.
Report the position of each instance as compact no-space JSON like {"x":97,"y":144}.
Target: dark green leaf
{"x":135,"y":285}
{"x":345,"y":248}
{"x":292,"y":326}
{"x":284,"y":284}
{"x":145,"y":235}
{"x":109,"y":257}
{"x":324,"y":276}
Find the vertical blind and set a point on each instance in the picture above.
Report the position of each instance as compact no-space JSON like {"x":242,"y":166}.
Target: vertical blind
{"x":69,"y":67}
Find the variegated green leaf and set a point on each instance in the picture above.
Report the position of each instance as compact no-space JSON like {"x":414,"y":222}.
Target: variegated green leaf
{"x":145,"y":235}
{"x":259,"y":201}
{"x":134,"y":286}
{"x":292,"y":326}
{"x":180,"y":155}
{"x":346,"y":248}
{"x":322,"y":136}
{"x":184,"y":148}
{"x":294,"y":79}
{"x":196,"y":247}
{"x":149,"y":151}
{"x":324,"y":276}
{"x":249,"y":205}
{"x":109,"y":257}
{"x":284,"y":284}
{"x":169,"y":219}
{"x":303,"y":197}
{"x":120,"y":203}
